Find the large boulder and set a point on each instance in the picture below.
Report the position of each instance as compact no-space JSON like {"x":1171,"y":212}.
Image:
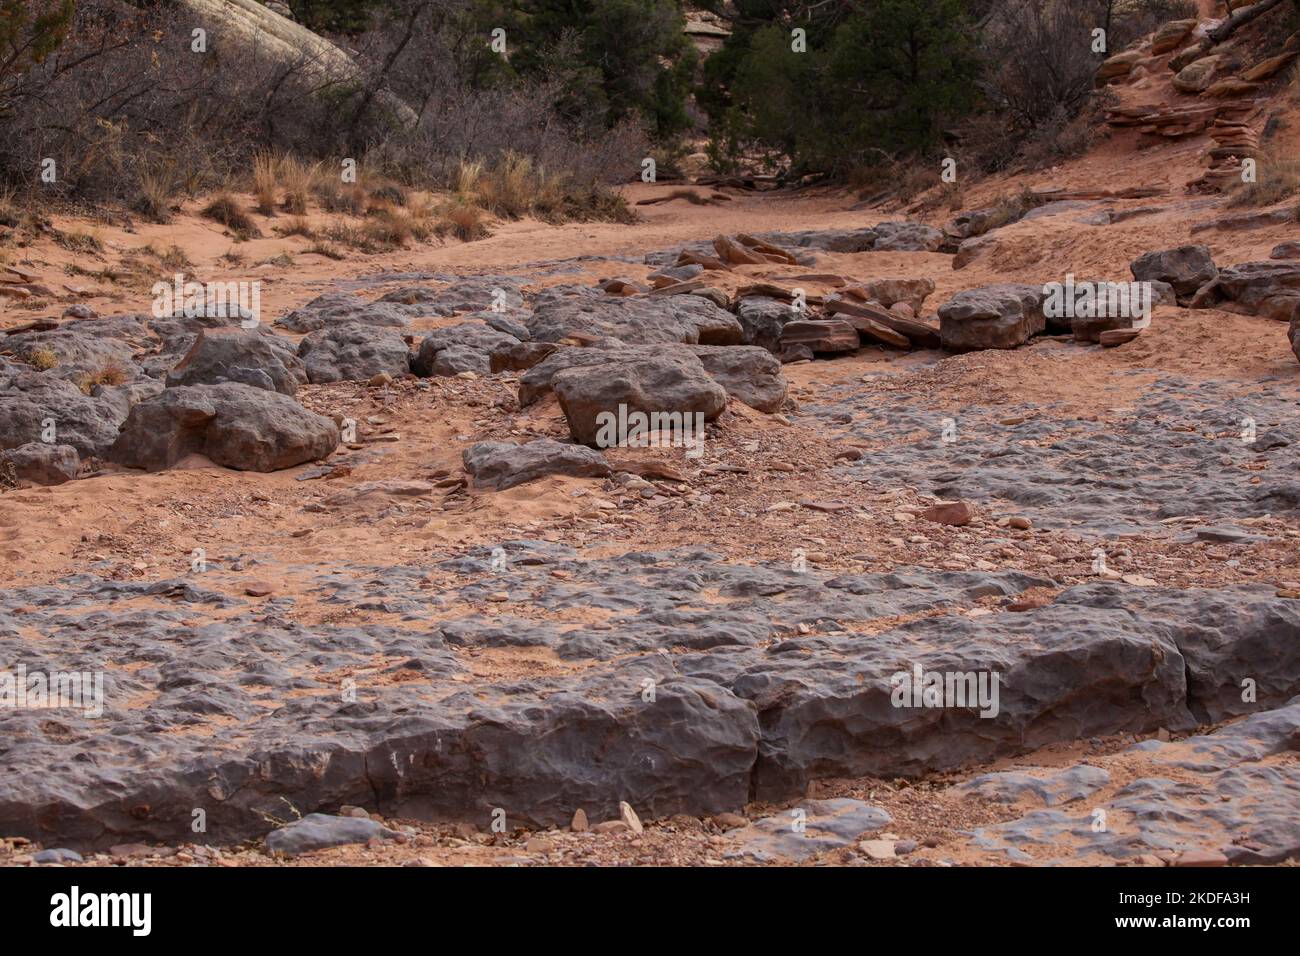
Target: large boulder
{"x":1119,"y":65}
{"x":1186,"y":268}
{"x":238,"y":426}
{"x":1090,"y":328}
{"x":671,"y":384}
{"x":175,"y":335}
{"x":750,"y":374}
{"x":889,"y":292}
{"x":353,"y":353}
{"x":243,"y":356}
{"x":321,"y":831}
{"x":973,"y":248}
{"x":1108,"y":300}
{"x":993,"y":317}
{"x":500,"y":465}
{"x":1171,"y":36}
{"x":339,"y":308}
{"x":907,"y":237}
{"x":511,"y":322}
{"x":41,"y":463}
{"x":1198,"y":75}
{"x":470,"y":294}
{"x":762,"y":319}
{"x":75,"y":351}
{"x":536,"y":383}
{"x":636,"y":320}
{"x":521,"y":357}
{"x":1269,"y":288}
{"x":819,"y":336}
{"x":39,"y":406}
{"x":464,"y":347}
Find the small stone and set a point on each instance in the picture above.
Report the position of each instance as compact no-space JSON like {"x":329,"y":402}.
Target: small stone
{"x":540,"y":844}
{"x":629,"y":817}
{"x":1110,"y":338}
{"x":956,"y":513}
{"x":1201,"y":858}
{"x":878,"y":849}
{"x":579,"y":823}
{"x":1029,"y":602}
{"x":258,"y":589}
{"x":730,"y":821}
{"x":610,"y":826}
{"x":125,"y":851}
{"x":1019,"y":522}
{"x":357,"y":812}
{"x":57,"y":855}
{"x":1138,"y":581}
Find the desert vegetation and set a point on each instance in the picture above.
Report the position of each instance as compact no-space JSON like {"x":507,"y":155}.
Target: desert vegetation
{"x":550,"y":122}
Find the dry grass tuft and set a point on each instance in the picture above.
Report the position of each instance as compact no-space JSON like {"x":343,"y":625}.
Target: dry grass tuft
{"x":297,"y":178}
{"x":1277,"y":178}
{"x":84,"y":243}
{"x":108,"y":375}
{"x":41,"y":359}
{"x":338,"y":197}
{"x":266,"y":176}
{"x":297,"y":226}
{"x":464,"y":220}
{"x":225,"y":209}
{"x":156,"y":189}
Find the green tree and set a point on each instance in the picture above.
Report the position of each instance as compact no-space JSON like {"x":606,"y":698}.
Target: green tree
{"x":336,"y":16}
{"x":620,"y":57}
{"x":876,"y":75}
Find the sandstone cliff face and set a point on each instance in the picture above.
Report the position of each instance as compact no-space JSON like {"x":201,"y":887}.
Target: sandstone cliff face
{"x":290,"y":43}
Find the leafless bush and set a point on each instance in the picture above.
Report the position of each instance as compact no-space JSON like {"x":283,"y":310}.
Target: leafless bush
{"x":124,"y":97}
{"x":1046,"y":64}
{"x":1043,"y":57}
{"x":130,"y":114}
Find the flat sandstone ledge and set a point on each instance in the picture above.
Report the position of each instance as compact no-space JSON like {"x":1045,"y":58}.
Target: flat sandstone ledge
{"x":243,"y":715}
